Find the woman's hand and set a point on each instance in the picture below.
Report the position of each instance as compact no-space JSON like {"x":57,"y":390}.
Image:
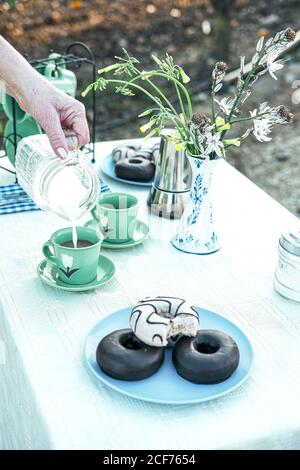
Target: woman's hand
{"x":55,"y":110}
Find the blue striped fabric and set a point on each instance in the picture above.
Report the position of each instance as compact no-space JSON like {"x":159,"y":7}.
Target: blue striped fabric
{"x":13,"y":199}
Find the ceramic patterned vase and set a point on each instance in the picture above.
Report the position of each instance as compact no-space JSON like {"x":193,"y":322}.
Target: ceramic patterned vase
{"x":196,"y":231}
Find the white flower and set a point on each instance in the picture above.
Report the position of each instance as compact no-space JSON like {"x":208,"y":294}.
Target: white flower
{"x":264,"y":108}
{"x":226,"y":105}
{"x":214,"y":144}
{"x":67,"y":261}
{"x":273,"y":65}
{"x":242,"y":65}
{"x":262,"y":126}
{"x":260,"y":44}
{"x":203,"y":152}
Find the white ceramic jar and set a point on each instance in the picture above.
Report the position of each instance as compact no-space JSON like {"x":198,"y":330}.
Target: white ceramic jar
{"x":287,"y":274}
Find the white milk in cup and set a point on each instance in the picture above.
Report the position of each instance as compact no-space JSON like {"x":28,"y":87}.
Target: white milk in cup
{"x":69,"y":188}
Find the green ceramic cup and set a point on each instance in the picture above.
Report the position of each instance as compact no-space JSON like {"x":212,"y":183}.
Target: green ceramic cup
{"x":74,"y":265}
{"x":116,"y":214}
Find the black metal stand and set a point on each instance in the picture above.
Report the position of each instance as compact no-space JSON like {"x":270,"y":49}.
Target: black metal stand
{"x":72,"y":60}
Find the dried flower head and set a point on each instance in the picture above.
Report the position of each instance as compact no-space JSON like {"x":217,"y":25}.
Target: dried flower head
{"x":218,"y":75}
{"x":221,"y":66}
{"x":289,"y":35}
{"x":285,"y":113}
{"x":200,"y":121}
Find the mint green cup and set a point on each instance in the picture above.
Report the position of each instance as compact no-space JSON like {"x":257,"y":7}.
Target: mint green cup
{"x":74,"y":265}
{"x":116,"y":214}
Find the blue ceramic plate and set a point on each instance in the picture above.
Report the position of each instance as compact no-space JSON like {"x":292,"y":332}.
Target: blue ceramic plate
{"x":166,"y":386}
{"x":107,"y":165}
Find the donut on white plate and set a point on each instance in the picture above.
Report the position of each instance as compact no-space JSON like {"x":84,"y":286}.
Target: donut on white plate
{"x":160,"y":321}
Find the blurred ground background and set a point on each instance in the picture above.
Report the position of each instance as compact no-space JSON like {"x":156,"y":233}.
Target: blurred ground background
{"x":196,"y":33}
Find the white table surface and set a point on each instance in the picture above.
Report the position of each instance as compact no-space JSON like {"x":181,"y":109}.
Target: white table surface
{"x":48,"y":398}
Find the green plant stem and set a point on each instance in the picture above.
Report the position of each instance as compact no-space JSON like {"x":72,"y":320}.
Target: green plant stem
{"x":213,"y":104}
{"x":138,"y":87}
{"x":143,"y":90}
{"x":179,"y":84}
{"x":168,"y":103}
{"x":139,"y":77}
{"x":180,"y":103}
{"x":176,"y":83}
{"x":244,"y":87}
{"x":238,"y":98}
{"x":250,"y":118}
{"x":156,"y":89}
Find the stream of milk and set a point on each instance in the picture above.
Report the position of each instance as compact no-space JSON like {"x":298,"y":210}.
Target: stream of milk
{"x":66,"y":193}
{"x":74,"y":235}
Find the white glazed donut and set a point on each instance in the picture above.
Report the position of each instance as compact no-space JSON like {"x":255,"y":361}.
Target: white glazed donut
{"x":158,"y":321}
{"x":122,"y":151}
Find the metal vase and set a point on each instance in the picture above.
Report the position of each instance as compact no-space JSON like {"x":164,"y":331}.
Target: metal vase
{"x":172,"y":182}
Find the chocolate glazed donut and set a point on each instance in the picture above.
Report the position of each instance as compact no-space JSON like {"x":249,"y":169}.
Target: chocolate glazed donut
{"x":123,"y":356}
{"x":135,"y":169}
{"x":210,"y":357}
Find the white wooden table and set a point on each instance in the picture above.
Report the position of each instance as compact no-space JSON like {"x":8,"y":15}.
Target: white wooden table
{"x":49,"y":400}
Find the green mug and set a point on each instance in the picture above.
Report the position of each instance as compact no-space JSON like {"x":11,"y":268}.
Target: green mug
{"x":74,"y":265}
{"x":116,"y":214}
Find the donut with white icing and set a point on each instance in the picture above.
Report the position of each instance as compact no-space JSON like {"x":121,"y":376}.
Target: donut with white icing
{"x":160,"y":321}
{"x":121,"y":152}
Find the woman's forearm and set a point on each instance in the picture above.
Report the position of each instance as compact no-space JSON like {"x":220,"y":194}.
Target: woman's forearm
{"x":20,"y":79}
{"x":53,"y":109}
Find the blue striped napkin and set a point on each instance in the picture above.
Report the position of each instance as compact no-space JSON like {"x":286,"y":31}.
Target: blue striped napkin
{"x":14,"y":199}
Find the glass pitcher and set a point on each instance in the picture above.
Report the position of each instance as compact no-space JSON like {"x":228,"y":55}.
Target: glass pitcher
{"x":69,"y":188}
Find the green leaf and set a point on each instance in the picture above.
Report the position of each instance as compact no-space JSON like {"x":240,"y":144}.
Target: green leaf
{"x":146,"y":113}
{"x":156,"y":59}
{"x":87,"y":90}
{"x":108,"y":68}
{"x":235,"y":142}
{"x":184,"y":77}
{"x":146,"y":126}
{"x":152,"y":133}
{"x":123,"y":90}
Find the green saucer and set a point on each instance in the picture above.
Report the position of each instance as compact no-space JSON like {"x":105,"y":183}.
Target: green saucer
{"x":140,"y":234}
{"x":49,"y":275}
